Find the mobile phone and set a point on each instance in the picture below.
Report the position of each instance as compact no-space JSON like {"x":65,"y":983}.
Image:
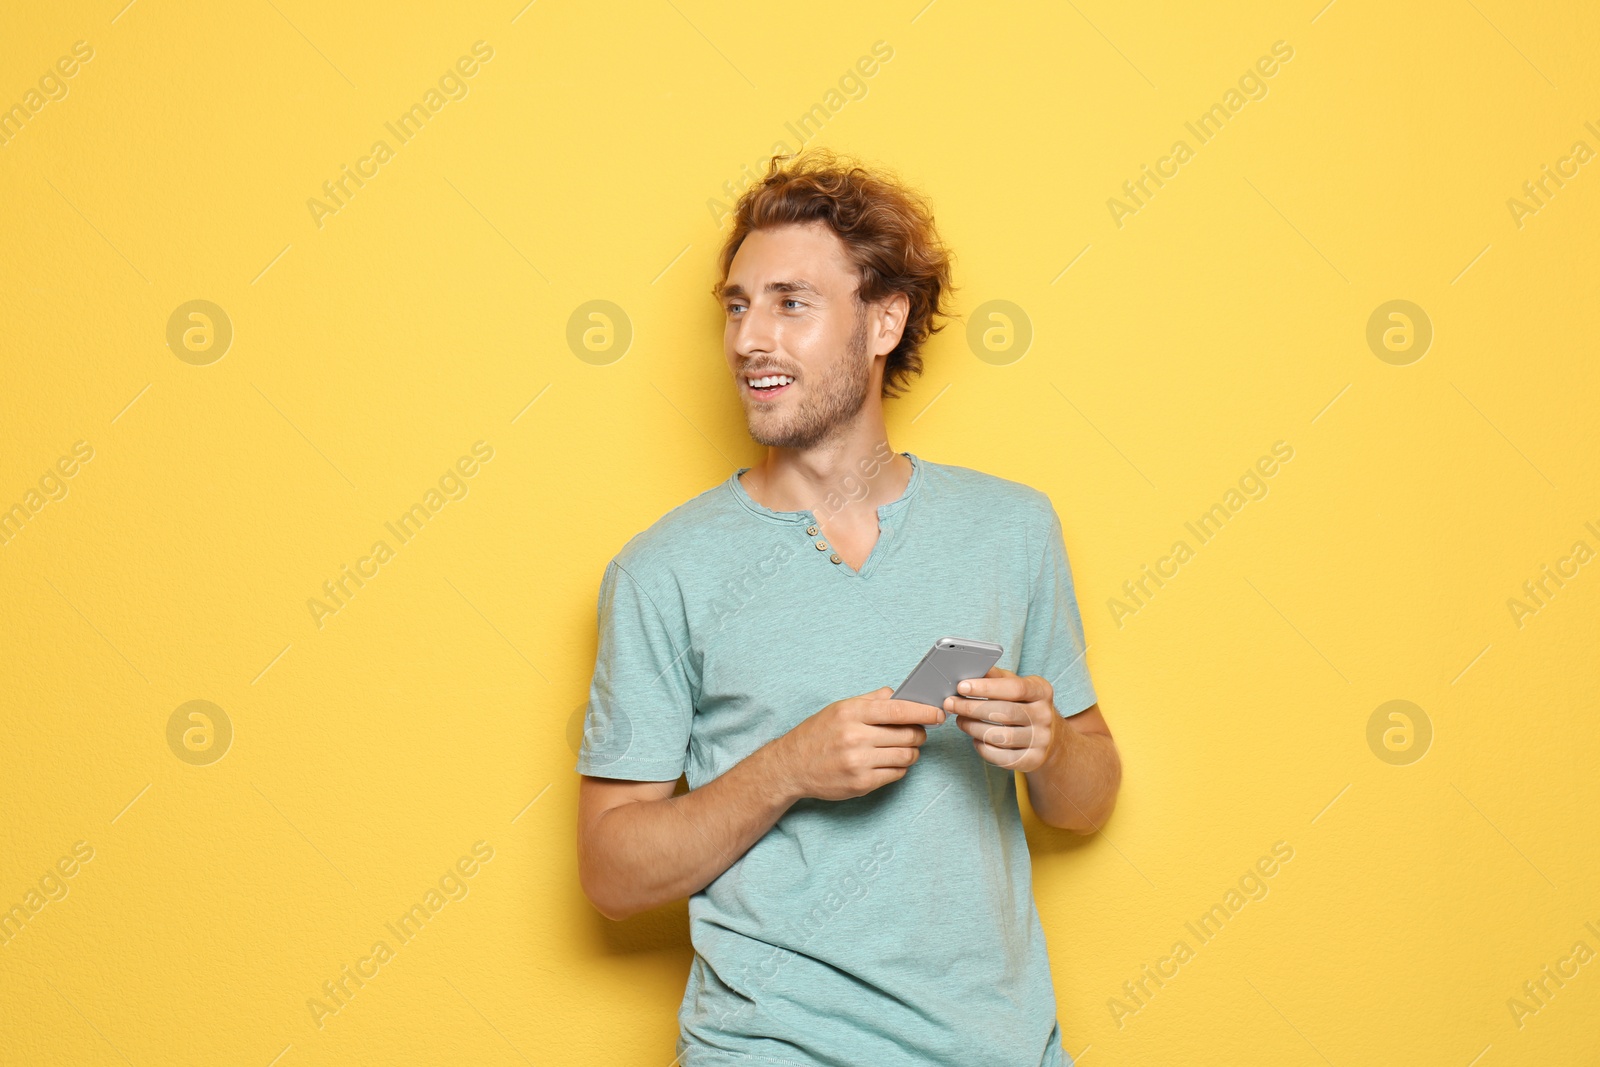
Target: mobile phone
{"x":950,"y":660}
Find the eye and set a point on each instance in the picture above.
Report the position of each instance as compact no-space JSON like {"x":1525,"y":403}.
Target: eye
{"x":733,"y":306}
{"x":793,"y":300}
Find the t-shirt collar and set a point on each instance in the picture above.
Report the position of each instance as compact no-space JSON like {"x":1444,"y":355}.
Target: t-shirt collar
{"x":736,"y":487}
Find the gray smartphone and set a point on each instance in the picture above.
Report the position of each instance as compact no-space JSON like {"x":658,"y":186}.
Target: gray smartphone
{"x":950,"y":660}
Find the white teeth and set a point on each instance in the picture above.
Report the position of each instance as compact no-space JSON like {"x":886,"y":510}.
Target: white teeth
{"x":769,"y":380}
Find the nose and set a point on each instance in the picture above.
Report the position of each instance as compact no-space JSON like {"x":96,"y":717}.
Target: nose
{"x":752,"y":334}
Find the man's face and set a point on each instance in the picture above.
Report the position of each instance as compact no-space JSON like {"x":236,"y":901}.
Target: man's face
{"x":794,"y":324}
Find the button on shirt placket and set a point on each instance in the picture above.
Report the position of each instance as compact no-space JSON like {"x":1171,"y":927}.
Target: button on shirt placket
{"x":821,"y":545}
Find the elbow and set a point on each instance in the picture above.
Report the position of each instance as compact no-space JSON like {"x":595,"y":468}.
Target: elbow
{"x":602,"y":895}
{"x":1101,"y":813}
{"x":1079,"y":822}
{"x":594,"y":887}
{"x":1087,"y":821}
{"x":606,"y":902}
{"x":612,"y":910}
{"x":608,"y":893}
{"x":599,"y":887}
{"x":613,"y":891}
{"x":1087,"y":829}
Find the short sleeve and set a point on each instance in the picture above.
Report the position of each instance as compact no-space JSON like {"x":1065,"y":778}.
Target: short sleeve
{"x":1052,"y":641}
{"x":640,"y":702}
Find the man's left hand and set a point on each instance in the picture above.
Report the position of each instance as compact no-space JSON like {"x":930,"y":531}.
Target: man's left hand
{"x":1016,"y":723}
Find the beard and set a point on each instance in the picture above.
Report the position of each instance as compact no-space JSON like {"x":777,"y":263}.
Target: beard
{"x":826,"y":405}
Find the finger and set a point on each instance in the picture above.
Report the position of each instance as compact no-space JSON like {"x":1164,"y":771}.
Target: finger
{"x":1000,"y":711}
{"x":1001,"y":684}
{"x":902,"y":711}
{"x":895,"y":757}
{"x":1009,"y":758}
{"x":1010,"y":737}
{"x":899,"y":736}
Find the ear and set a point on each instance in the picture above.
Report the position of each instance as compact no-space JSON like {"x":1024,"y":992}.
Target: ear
{"x":889,"y":317}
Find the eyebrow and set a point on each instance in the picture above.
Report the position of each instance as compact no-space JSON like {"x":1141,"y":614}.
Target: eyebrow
{"x":727,"y":291}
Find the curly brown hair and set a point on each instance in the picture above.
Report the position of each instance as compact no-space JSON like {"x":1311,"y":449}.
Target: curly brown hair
{"x":887,"y":230}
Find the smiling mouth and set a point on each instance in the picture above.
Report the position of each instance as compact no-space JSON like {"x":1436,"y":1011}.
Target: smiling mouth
{"x":769,"y":385}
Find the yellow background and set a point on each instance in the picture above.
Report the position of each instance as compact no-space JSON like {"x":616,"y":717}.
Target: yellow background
{"x":436,"y":708}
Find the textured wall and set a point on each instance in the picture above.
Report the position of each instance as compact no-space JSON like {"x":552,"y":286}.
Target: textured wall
{"x":256,"y":308}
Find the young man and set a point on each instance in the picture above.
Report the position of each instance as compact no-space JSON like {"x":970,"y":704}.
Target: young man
{"x":859,"y":882}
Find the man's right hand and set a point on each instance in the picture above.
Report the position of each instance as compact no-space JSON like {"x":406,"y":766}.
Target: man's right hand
{"x":856,"y":745}
{"x":640,"y":846}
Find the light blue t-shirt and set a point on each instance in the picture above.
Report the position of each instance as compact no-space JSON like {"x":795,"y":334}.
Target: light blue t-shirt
{"x":896,"y":929}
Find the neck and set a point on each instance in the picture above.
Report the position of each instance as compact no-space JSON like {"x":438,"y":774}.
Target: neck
{"x":854,"y":470}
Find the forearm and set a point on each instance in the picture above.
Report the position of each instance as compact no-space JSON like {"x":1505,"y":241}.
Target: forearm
{"x":1076,"y":787}
{"x":638,"y":856}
